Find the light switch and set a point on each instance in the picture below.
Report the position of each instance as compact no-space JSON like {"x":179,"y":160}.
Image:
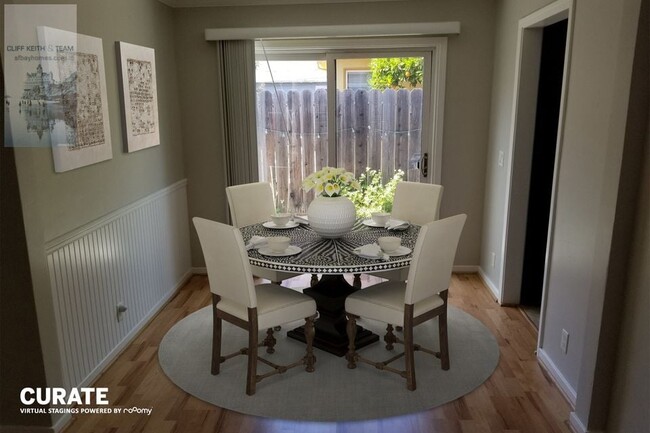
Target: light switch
{"x":501,"y":157}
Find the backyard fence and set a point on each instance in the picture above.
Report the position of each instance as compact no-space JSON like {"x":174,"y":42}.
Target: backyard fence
{"x":376,"y":129}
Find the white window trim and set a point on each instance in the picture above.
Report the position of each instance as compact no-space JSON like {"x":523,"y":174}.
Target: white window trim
{"x":433,"y":48}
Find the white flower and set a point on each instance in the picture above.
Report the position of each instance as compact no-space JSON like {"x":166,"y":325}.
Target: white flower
{"x":330,"y":189}
{"x":318,"y":188}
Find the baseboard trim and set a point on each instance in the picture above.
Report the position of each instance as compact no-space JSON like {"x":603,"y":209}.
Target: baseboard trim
{"x":563,"y":385}
{"x":496,"y":293}
{"x":198,"y":270}
{"x":578,"y":427}
{"x":62,"y":423}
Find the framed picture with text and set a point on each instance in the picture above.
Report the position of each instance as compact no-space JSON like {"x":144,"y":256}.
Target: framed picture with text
{"x":137,"y":67}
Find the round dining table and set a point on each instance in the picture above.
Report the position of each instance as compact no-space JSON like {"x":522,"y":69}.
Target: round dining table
{"x":331,"y":258}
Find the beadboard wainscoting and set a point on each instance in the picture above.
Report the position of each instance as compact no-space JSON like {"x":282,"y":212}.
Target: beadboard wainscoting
{"x":136,"y":257}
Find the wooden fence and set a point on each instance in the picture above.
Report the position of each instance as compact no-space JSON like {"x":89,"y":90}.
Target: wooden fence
{"x":376,"y":129}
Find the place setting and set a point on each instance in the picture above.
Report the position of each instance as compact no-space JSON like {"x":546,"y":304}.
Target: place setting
{"x":383,"y":220}
{"x":385,"y":248}
{"x":281,"y":221}
{"x":274,"y":246}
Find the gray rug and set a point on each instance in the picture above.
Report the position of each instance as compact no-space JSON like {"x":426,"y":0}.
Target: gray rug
{"x":332,"y":392}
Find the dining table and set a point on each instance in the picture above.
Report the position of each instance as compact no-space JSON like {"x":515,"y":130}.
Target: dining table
{"x":331,"y":258}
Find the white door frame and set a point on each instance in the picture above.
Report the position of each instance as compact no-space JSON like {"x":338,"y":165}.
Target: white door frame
{"x":518,"y":164}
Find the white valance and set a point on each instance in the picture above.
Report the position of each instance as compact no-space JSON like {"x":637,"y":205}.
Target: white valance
{"x":333,"y":31}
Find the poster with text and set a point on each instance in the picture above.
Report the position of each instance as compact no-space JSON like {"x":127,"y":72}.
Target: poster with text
{"x":139,"y":96}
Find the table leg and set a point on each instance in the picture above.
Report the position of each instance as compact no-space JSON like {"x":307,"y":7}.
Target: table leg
{"x":331,"y":336}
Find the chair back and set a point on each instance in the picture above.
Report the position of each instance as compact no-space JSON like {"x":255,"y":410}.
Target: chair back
{"x":229,"y":271}
{"x":433,"y":258}
{"x":418,"y":203}
{"x":250,"y":203}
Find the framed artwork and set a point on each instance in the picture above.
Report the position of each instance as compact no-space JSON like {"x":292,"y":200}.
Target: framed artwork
{"x":71,"y":91}
{"x":139,"y":96}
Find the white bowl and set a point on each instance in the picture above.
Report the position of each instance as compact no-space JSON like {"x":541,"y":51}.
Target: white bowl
{"x":281,"y":219}
{"x":278,"y":244}
{"x":380,"y":218}
{"x":388,"y":244}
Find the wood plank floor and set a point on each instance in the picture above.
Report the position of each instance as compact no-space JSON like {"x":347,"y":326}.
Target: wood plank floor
{"x":518,"y":397}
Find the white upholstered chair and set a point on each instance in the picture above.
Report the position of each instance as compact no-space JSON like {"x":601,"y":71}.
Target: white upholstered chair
{"x":252,"y":203}
{"x":422,"y":297}
{"x":417,"y":203}
{"x":236,"y":299}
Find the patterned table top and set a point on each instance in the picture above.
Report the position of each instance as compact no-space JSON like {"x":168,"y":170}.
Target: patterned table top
{"x":330,"y":256}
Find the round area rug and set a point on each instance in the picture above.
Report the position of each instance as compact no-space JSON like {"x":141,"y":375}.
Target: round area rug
{"x":332,"y":392}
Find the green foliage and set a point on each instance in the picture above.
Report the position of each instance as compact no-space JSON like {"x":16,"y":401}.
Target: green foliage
{"x":372,"y":195}
{"x":396,"y":72}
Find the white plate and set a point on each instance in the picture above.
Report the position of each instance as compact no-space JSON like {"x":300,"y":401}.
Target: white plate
{"x":292,"y":250}
{"x":370,"y":223}
{"x":273,"y":226}
{"x":401,"y":251}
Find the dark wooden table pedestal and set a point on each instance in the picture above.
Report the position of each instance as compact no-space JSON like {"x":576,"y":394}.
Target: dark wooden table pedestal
{"x":331,"y":336}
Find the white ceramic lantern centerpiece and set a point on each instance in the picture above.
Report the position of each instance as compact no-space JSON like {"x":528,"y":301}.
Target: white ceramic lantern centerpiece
{"x":331,"y":214}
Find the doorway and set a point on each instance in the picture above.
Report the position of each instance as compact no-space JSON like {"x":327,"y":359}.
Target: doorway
{"x":542,"y":65}
{"x":549,"y":94}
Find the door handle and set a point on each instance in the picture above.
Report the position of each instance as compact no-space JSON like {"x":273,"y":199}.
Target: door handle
{"x":424,"y":165}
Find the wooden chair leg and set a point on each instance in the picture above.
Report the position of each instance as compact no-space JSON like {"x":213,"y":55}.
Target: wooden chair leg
{"x":444,"y":341}
{"x":356,"y":283}
{"x":408,"y":348}
{"x":310,"y":359}
{"x":442,"y":333}
{"x":270,"y":341}
{"x":389,"y":338}
{"x":314,"y":280}
{"x":251,"y":377}
{"x":216,"y":337}
{"x":351,"y":356}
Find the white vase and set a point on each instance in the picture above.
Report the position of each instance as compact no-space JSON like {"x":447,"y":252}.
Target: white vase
{"x":331,"y":217}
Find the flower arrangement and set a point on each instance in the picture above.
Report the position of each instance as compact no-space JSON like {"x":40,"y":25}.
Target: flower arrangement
{"x":330,"y":182}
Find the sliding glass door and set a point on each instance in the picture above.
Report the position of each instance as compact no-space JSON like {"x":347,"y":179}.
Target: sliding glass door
{"x":379,"y":111}
{"x":374,"y":103}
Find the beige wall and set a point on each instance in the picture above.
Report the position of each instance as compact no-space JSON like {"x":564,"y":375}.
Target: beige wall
{"x":469,"y":71}
{"x":54,"y":204}
{"x":631,"y":391}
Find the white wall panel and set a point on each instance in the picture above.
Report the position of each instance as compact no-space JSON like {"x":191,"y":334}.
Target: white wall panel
{"x":138,"y":256}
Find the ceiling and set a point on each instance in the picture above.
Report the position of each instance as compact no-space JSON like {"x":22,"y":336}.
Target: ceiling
{"x":209,"y":3}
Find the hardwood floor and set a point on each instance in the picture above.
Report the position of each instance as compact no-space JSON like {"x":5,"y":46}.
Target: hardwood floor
{"x":518,"y":397}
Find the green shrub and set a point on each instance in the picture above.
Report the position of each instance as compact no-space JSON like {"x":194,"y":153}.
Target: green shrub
{"x":396,"y":72}
{"x":373,"y":195}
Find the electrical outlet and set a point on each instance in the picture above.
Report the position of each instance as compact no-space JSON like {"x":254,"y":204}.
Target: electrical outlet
{"x":493,"y":259}
{"x":564,"y":341}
